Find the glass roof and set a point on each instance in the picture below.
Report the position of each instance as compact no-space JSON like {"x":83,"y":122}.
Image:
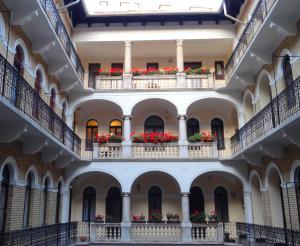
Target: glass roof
{"x":147,"y":7}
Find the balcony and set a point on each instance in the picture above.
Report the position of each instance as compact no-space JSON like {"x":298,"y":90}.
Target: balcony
{"x":41,"y":22}
{"x":271,"y":18}
{"x":26,"y":117}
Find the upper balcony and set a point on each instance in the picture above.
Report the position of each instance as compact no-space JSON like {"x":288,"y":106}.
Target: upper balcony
{"x":43,"y":25}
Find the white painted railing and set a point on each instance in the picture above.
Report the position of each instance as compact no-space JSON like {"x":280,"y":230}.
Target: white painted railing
{"x":105,"y":232}
{"x":109,"y":83}
{"x":83,"y":231}
{"x":154,"y":82}
{"x":226,"y":152}
{"x":203,"y":150}
{"x":200,"y":81}
{"x":149,"y":150}
{"x":155,"y":232}
{"x":207,"y":232}
{"x":107,"y":151}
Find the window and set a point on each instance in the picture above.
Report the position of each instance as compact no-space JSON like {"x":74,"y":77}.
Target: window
{"x":192,"y":65}
{"x":45,"y":197}
{"x":4,"y":197}
{"x":89,"y":204}
{"x":38,"y":82}
{"x":63,"y":114}
{"x":115,"y":127}
{"x":196,"y":200}
{"x":114,"y":205}
{"x":219,"y":70}
{"x":297,"y":185}
{"x":91,"y":132}
{"x":58,"y":200}
{"x":93,"y":72}
{"x":288,"y":80}
{"x":117,"y":66}
{"x":154,"y":200}
{"x":152,"y":66}
{"x":27,"y":200}
{"x":221,"y":203}
{"x":192,"y":127}
{"x":154,"y":124}
{"x":217,"y":128}
{"x":52,"y":98}
{"x":19,"y":60}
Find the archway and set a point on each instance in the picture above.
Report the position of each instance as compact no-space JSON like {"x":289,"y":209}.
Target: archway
{"x":297,"y":187}
{"x":248,"y":106}
{"x":114,"y":205}
{"x":196,"y":200}
{"x":154,"y":124}
{"x":4,"y":193}
{"x":89,"y":204}
{"x":264,"y":90}
{"x":257,"y":203}
{"x":193,"y":127}
{"x":19,"y":60}
{"x":91,"y":133}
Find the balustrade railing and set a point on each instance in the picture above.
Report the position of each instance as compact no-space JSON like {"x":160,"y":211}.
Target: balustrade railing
{"x":105,"y":231}
{"x":63,"y":35}
{"x":149,"y":150}
{"x":18,"y":92}
{"x":109,"y":83}
{"x":258,"y":17}
{"x":207,"y":232}
{"x":154,"y":82}
{"x":281,"y":108}
{"x":208,"y":150}
{"x":90,"y":150}
{"x":57,"y":234}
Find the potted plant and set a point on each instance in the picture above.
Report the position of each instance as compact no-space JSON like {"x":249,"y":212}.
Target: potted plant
{"x":155,"y":216}
{"x":213,"y":217}
{"x":99,"y":218}
{"x":138,"y":219}
{"x":198,"y":217}
{"x":170,"y":70}
{"x":83,"y":238}
{"x":172,"y":218}
{"x":115,"y":138}
{"x":104,"y":72}
{"x":153,"y":137}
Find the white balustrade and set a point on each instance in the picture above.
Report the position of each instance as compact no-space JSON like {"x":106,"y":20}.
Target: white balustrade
{"x":203,"y":150}
{"x":155,"y":232}
{"x":105,"y":232}
{"x":154,"y":82}
{"x":110,"y":151}
{"x":207,"y":232}
{"x":200,"y":81}
{"x":109,"y":83}
{"x":149,"y":150}
{"x":227,"y":151}
{"x":83,"y":231}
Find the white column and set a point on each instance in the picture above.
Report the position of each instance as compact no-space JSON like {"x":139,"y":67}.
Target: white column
{"x":241,"y":119}
{"x":69,"y":121}
{"x":127,"y":76}
{"x":126,"y":222}
{"x":182,"y":140}
{"x":179,"y":55}
{"x":65,"y":206}
{"x":126,"y":144}
{"x":248,"y":207}
{"x":186,"y":224}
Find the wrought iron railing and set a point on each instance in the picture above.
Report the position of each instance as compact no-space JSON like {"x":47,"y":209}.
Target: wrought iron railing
{"x":63,"y":35}
{"x":57,"y":234}
{"x":267,"y":234}
{"x":281,"y":108}
{"x":20,"y":94}
{"x":258,"y":17}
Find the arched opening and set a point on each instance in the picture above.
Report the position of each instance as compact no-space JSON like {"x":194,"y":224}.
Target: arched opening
{"x":257,"y":203}
{"x":91,"y":133}
{"x":63,"y":115}
{"x":193,"y":127}
{"x":276,"y":198}
{"x":28,"y":199}
{"x":221,"y":203}
{"x":58,"y":201}
{"x":38,"y":81}
{"x":217,"y":129}
{"x":19,"y":60}
{"x":52,"y":98}
{"x":154,"y":201}
{"x":89,"y":204}
{"x":114,"y":205}
{"x":248,"y":107}
{"x":115,"y":127}
{"x":196,"y":200}
{"x":265,"y":95}
{"x":154,"y":124}
{"x":288,"y":80}
{"x":4,"y":191}
{"x":45,"y":201}
{"x":297,"y":185}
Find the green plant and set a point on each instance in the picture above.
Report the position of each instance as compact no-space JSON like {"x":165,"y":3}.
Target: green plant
{"x":198,"y":217}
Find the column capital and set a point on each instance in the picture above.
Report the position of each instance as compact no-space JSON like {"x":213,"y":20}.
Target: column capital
{"x":127,"y":43}
{"x":185,"y":194}
{"x":179,"y":42}
{"x":247,"y":192}
{"x":126,"y":194}
{"x":181,"y":117}
{"x":126,"y":117}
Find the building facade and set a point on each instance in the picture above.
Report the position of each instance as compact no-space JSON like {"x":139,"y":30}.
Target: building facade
{"x":150,"y":128}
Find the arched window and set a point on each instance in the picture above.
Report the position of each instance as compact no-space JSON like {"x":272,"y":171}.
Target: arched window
{"x":192,"y":127}
{"x":52,"y":98}
{"x":297,"y":185}
{"x":89,"y":204}
{"x":217,"y":128}
{"x":27,"y":200}
{"x":154,"y":200}
{"x":221,"y":203}
{"x":115,"y":127}
{"x":58,"y":200}
{"x":4,"y":197}
{"x":19,"y":60}
{"x":91,"y":132}
{"x":63,"y":115}
{"x":38,"y":82}
{"x":196,"y":200}
{"x":288,"y":80}
{"x":154,"y":124}
{"x":114,"y":205}
{"x":45,"y":199}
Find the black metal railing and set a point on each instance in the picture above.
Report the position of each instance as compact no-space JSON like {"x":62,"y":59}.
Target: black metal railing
{"x":258,"y":17}
{"x":63,"y":35}
{"x":19,"y":93}
{"x":267,"y":234}
{"x":57,"y":234}
{"x":281,"y":108}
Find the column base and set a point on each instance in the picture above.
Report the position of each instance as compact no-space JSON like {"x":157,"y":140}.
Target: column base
{"x":181,"y":80}
{"x":126,"y":149}
{"x":183,"y":149}
{"x":126,"y":231}
{"x":127,"y":80}
{"x":186,"y":228}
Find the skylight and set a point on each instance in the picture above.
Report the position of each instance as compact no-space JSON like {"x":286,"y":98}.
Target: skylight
{"x":137,"y":7}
